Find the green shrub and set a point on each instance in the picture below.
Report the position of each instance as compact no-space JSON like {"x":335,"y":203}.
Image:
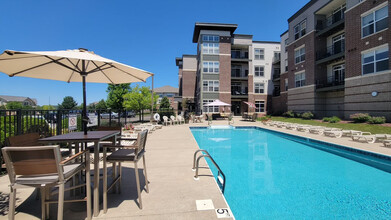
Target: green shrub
{"x":377,"y":120}
{"x":289,"y":114}
{"x":307,"y":115}
{"x":333,"y":119}
{"x":360,"y":117}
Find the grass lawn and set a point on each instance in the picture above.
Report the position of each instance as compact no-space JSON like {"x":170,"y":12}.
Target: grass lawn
{"x":374,"y":129}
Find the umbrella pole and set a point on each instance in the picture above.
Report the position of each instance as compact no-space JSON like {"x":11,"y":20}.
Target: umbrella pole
{"x":85,"y":119}
{"x":151,"y":117}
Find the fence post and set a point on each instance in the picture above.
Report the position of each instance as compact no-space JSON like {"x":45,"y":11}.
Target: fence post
{"x":98,"y":117}
{"x":18,"y":121}
{"x":59,"y":122}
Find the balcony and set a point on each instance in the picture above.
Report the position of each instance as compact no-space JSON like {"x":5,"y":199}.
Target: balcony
{"x":276,"y":59}
{"x":331,"y":84}
{"x":239,"y":56}
{"x":276,"y":91}
{"x":239,"y":93}
{"x":330,"y":25}
{"x":237,"y":74}
{"x":276,"y":73}
{"x":334,"y":52}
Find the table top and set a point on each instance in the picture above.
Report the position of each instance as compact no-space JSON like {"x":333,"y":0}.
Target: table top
{"x":79,"y":136}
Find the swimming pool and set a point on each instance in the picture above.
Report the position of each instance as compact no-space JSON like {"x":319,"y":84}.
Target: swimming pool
{"x":275,"y":176}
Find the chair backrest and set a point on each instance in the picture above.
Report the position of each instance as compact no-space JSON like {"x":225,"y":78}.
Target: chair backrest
{"x":165,"y":118}
{"x":32,"y":160}
{"x":254,"y":116}
{"x":30,"y":139}
{"x":142,"y":140}
{"x":172,"y":117}
{"x":178,"y":117}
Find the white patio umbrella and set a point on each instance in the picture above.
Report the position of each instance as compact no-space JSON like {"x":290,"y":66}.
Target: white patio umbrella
{"x":70,"y":66}
{"x":217,"y":103}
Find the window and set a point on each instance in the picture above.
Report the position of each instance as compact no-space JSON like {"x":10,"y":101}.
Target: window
{"x":277,"y":55}
{"x":210,"y":48}
{"x":375,"y":21}
{"x":338,"y":74}
{"x":300,"y":29}
{"x":209,"y":108}
{"x":259,"y":54}
{"x":211,"y":67}
{"x":259,"y":87}
{"x":210,"y":86}
{"x":210,"y":38}
{"x":259,"y":71}
{"x":300,"y":55}
{"x":286,"y":84}
{"x":260,"y":106}
{"x":375,"y":61}
{"x":300,"y":79}
{"x":286,"y":65}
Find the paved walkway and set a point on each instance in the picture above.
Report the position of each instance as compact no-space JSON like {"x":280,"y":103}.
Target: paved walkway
{"x":173,"y":191}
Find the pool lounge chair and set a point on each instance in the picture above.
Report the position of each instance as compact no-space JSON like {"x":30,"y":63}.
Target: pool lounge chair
{"x":173,"y":120}
{"x":321,"y":130}
{"x":336,"y":134}
{"x":364,"y":136}
{"x":387,"y":143}
{"x":304,"y":128}
{"x":292,"y":126}
{"x":180,"y":119}
{"x":166,"y":121}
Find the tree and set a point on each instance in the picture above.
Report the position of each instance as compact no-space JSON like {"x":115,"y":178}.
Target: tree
{"x":101,"y":104}
{"x":68,"y":103}
{"x":139,"y":99}
{"x":165,"y":103}
{"x":3,"y":107}
{"x":115,"y":96}
{"x":14,"y":105}
{"x":48,"y":107}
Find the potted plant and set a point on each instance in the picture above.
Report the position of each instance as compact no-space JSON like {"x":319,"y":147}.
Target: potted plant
{"x":230,"y":119}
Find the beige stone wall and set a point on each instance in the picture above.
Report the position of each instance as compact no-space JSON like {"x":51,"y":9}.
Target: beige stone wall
{"x":302,"y":99}
{"x":358,"y":95}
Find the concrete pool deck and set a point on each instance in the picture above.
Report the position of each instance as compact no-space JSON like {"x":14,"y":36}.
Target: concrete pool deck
{"x":173,"y":191}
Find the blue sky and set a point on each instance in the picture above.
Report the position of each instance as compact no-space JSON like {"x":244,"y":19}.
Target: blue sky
{"x":145,"y":34}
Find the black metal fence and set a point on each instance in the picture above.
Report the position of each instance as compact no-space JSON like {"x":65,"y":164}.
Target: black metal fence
{"x":54,"y":122}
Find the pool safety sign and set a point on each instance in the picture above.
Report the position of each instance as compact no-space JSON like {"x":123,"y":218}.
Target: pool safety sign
{"x":92,"y":120}
{"x":72,"y":122}
{"x":223,"y":213}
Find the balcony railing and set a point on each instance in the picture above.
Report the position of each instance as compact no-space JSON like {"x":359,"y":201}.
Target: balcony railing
{"x":239,"y":55}
{"x":276,"y":59}
{"x":276,"y":92}
{"x":329,"y":21}
{"x":331,"y":50}
{"x":237,"y":73}
{"x":239,"y":93}
{"x":330,"y":82}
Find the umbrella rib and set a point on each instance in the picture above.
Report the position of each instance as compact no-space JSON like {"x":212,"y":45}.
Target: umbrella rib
{"x":34,"y":67}
{"x":61,"y":64}
{"x":17,"y":58}
{"x":69,"y":79}
{"x":103,"y":72}
{"x":99,"y":68}
{"x":74,"y":65}
{"x":126,"y":72}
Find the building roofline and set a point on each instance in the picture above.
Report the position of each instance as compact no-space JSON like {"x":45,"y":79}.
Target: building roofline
{"x":245,"y":35}
{"x":177,"y":59}
{"x":266,"y":42}
{"x":189,"y":55}
{"x":212,"y":26}
{"x":284,"y":32}
{"x":301,"y":10}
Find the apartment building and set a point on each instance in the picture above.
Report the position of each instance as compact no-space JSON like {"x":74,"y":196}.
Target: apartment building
{"x":230,"y":67}
{"x":187,"y":70}
{"x":337,"y":59}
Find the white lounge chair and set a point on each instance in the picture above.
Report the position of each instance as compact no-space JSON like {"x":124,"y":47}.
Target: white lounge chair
{"x":180,"y":119}
{"x":321,"y":130}
{"x":350,"y":133}
{"x":173,"y":119}
{"x":292,"y":126}
{"x":166,"y":121}
{"x":304,"y":128}
{"x":337,"y":134}
{"x":364,"y":136}
{"x":387,"y":143}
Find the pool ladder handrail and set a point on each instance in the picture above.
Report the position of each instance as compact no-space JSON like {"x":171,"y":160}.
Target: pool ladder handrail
{"x":196,"y":166}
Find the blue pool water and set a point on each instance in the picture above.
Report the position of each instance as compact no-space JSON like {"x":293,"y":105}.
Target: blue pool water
{"x":270,"y":176}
